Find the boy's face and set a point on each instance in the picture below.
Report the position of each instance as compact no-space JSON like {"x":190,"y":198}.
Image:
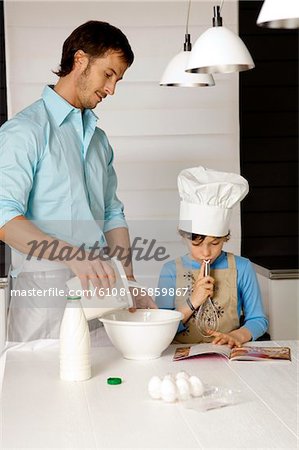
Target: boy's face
{"x":97,"y":78}
{"x":210,"y":248}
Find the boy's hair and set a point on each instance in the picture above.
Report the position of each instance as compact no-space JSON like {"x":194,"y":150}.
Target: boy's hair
{"x":197,"y":239}
{"x":96,"y":39}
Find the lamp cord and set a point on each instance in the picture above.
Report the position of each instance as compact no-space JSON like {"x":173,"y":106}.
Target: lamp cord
{"x":188,"y":14}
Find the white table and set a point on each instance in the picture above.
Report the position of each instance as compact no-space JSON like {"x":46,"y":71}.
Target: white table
{"x":41,"y":411}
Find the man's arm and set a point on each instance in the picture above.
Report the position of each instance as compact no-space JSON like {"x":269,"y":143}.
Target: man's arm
{"x":118,"y":241}
{"x":19,"y":232}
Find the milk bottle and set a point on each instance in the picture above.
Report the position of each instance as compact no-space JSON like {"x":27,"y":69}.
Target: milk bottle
{"x":74,"y":342}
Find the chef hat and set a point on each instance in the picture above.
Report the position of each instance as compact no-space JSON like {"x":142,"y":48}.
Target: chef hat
{"x":207,"y":199}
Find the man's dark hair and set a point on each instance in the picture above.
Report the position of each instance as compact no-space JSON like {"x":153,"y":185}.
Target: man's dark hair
{"x":96,"y":39}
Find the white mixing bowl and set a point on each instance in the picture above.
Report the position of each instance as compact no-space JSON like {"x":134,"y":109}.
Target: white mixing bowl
{"x":143,"y":334}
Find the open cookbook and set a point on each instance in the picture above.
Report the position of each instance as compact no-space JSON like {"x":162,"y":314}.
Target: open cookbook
{"x":246,"y":353}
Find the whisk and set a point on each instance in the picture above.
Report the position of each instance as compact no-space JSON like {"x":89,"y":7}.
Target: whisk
{"x":206,"y":317}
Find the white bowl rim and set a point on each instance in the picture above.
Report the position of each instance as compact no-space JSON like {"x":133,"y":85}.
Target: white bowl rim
{"x":179,"y":316}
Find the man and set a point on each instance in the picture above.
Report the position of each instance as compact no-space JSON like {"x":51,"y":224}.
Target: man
{"x":58,"y":191}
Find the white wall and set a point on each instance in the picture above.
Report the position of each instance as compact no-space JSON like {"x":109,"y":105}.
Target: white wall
{"x":155,"y":131}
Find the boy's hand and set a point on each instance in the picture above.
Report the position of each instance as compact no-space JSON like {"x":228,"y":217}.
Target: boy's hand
{"x":202,"y":289}
{"x":224,"y":339}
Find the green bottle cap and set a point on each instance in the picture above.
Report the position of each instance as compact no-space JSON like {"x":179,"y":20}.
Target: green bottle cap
{"x":73,"y":297}
{"x":114,"y":380}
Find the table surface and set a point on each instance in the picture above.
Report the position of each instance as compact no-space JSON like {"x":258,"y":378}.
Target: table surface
{"x":41,"y":411}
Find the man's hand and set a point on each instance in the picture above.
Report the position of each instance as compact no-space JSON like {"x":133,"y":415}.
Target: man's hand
{"x":141,"y":301}
{"x":100,"y":273}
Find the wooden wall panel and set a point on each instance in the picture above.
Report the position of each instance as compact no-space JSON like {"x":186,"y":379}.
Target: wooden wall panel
{"x":155,"y":131}
{"x":140,"y":13}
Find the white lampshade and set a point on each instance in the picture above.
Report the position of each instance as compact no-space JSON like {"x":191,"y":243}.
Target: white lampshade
{"x":175,"y":75}
{"x":279,"y":14}
{"x":219,"y":50}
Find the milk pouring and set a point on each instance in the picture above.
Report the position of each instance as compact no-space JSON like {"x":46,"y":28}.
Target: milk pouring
{"x":74,"y":343}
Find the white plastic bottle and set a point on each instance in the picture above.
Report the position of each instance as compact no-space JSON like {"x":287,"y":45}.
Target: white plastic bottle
{"x":74,"y":343}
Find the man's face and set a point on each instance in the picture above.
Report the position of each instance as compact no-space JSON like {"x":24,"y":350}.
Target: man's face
{"x":97,"y":78}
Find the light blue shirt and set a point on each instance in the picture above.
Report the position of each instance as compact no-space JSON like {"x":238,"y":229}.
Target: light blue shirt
{"x":56,"y":170}
{"x":249,"y":296}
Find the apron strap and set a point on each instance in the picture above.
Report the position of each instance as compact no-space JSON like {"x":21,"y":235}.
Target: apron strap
{"x":231,"y":262}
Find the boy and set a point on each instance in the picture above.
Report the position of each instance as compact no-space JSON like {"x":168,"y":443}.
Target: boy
{"x":207,"y":198}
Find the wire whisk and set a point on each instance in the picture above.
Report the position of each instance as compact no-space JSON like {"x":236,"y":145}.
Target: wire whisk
{"x":207,"y":317}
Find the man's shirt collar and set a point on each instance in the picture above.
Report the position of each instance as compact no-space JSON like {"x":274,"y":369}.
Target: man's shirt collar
{"x":59,"y":107}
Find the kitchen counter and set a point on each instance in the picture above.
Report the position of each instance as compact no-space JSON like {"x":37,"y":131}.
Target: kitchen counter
{"x":41,"y":411}
{"x":280,"y":288}
{"x":277,"y":274}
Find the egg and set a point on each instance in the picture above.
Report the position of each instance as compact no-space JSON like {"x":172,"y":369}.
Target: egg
{"x":168,"y":390}
{"x":154,"y":387}
{"x":182,"y":374}
{"x":184,"y":389}
{"x":197,"y":387}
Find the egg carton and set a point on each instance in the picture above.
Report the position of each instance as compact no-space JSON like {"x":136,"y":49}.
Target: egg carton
{"x":192,"y":392}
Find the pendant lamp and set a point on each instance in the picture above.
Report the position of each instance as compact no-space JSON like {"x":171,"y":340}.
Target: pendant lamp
{"x":219,"y":50}
{"x":279,"y":14}
{"x":175,"y":74}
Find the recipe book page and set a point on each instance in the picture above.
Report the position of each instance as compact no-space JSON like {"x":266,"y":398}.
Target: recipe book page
{"x":245,"y":353}
{"x":200,"y":349}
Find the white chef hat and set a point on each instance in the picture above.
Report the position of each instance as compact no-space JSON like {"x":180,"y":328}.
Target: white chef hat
{"x":207,"y":199}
